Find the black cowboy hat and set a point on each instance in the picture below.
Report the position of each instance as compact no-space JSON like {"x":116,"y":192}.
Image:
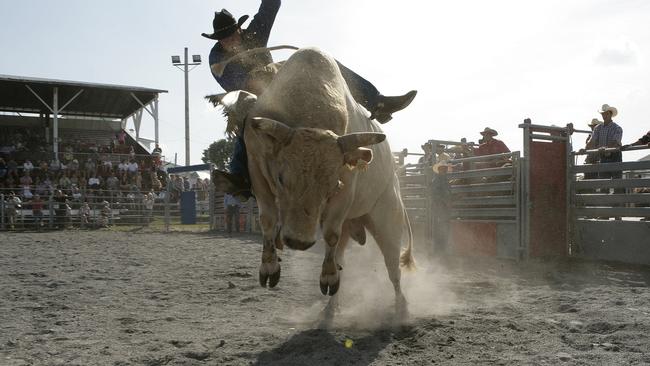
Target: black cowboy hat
{"x":224,"y":25}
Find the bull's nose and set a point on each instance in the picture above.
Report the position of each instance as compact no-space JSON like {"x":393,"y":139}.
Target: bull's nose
{"x":298,"y":244}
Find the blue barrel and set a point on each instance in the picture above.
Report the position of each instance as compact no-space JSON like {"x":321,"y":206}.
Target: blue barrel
{"x":188,"y":208}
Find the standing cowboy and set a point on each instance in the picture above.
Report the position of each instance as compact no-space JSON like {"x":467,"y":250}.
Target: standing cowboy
{"x":608,"y":135}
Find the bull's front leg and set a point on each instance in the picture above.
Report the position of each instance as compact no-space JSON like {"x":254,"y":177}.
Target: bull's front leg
{"x":270,"y":267}
{"x":329,"y":277}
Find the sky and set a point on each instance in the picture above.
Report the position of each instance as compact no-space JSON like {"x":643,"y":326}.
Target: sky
{"x":474,"y":63}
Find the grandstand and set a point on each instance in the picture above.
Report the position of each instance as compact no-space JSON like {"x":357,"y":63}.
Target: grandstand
{"x":71,"y":136}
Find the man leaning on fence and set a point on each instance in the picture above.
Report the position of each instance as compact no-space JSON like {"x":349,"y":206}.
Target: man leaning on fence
{"x":608,"y":135}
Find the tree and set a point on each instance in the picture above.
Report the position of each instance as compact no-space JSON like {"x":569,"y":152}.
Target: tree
{"x":219,"y":153}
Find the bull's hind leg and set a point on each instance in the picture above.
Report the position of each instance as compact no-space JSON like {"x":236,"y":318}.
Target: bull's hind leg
{"x":386,"y":224}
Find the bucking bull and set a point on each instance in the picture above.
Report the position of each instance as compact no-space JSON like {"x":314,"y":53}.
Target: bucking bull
{"x":309,"y":148}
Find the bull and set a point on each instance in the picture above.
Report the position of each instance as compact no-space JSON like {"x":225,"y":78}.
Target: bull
{"x":310,"y":148}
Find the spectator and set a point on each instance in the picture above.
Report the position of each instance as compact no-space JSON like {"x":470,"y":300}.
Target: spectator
{"x":231,"y":204}
{"x":608,"y":135}
{"x":156,"y":184}
{"x":3,"y":168}
{"x":74,"y":165}
{"x":90,"y":166}
{"x":67,"y":155}
{"x":13,"y":204}
{"x":37,"y":211}
{"x":105,"y":214}
{"x":131,"y":153}
{"x":113,"y":185}
{"x":121,"y":137}
{"x":65,"y":183}
{"x":440,"y":155}
{"x":28,"y":166}
{"x":491,"y":146}
{"x":441,"y":206}
{"x":26,"y":180}
{"x":148,"y":201}
{"x":12,"y":168}
{"x":76,"y":193}
{"x":60,"y":208}
{"x":132,"y":168}
{"x":94,"y":184}
{"x":428,"y":158}
{"x":55,"y":166}
{"x":84,"y":214}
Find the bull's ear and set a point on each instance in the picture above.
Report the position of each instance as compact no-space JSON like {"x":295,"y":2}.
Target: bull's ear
{"x":277,"y":130}
{"x":236,"y":106}
{"x":350,"y":142}
{"x":358,"y":158}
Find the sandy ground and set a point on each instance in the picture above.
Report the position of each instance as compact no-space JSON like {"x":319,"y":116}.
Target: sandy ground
{"x":133,"y":298}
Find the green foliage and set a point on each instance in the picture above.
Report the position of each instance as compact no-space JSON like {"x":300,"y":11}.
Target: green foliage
{"x":219,"y":153}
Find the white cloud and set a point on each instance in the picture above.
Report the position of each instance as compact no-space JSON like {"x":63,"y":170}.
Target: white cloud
{"x":618,"y":54}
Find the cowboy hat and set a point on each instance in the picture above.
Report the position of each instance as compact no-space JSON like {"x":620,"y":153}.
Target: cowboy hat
{"x":594,"y":122}
{"x":489,"y":131}
{"x":426,"y":145}
{"x":608,"y":108}
{"x":439,"y":165}
{"x":224,"y":25}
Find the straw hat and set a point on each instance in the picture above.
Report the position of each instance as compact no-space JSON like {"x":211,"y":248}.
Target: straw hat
{"x":594,"y":122}
{"x":439,"y":165}
{"x":608,"y":108}
{"x":489,"y":131}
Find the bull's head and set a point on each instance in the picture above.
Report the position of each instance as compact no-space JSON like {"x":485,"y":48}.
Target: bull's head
{"x":306,"y":171}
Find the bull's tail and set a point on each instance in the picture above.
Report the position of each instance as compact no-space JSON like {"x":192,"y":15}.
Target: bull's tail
{"x":406,"y":259}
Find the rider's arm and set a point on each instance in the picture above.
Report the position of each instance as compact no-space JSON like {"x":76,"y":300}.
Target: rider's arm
{"x":263,"y":21}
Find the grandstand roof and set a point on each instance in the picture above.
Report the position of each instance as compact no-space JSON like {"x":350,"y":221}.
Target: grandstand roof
{"x":98,"y":100}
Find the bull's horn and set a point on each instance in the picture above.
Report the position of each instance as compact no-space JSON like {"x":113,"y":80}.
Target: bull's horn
{"x":273,"y":128}
{"x":352,"y":141}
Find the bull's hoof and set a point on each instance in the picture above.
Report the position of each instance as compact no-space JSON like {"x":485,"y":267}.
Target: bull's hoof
{"x":274,"y":278}
{"x":331,"y":287}
{"x":269,"y":273}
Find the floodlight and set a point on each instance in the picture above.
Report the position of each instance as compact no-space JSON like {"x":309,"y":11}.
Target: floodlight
{"x":196,"y":58}
{"x":176,"y":59}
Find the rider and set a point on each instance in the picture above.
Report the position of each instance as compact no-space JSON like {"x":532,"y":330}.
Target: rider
{"x":240,"y":74}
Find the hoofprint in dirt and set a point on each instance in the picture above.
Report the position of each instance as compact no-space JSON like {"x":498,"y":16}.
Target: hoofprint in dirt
{"x":119,"y":298}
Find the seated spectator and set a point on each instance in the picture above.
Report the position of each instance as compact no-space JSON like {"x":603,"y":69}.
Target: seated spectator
{"x":3,"y":168}
{"x":67,"y":154}
{"x":156,"y":185}
{"x":74,"y":165}
{"x":123,"y":167}
{"x":42,"y":189}
{"x":55,"y":166}
{"x":28,"y":166}
{"x":76,"y":193}
{"x":121,"y":137}
{"x":131,"y":153}
{"x":90,"y":166}
{"x":12,"y":168}
{"x":132,"y":168}
{"x":26,"y":192}
{"x":94,"y":183}
{"x":64,"y":182}
{"x":43,"y":167}
{"x":26,"y":180}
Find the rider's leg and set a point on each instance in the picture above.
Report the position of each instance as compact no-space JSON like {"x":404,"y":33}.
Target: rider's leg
{"x":381,"y":107}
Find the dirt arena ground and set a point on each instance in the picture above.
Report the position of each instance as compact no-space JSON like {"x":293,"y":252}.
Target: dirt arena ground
{"x":134,"y":298}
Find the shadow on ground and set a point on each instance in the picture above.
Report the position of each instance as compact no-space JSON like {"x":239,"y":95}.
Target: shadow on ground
{"x":321,"y":347}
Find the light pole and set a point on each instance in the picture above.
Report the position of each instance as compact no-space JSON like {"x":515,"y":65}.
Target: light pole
{"x":184,"y":66}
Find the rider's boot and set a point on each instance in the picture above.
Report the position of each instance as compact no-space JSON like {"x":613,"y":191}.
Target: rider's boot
{"x":386,"y":106}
